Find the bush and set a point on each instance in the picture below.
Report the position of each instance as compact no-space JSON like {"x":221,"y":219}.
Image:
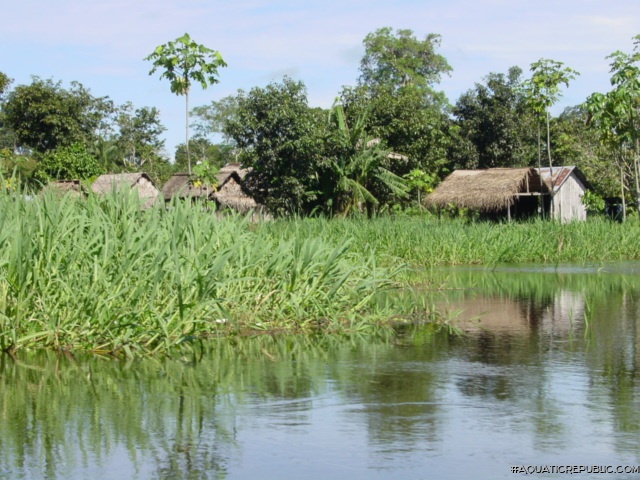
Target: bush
{"x":67,"y":163}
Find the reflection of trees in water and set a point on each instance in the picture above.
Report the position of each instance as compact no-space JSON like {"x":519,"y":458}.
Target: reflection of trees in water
{"x":614,"y":342}
{"x":592,"y":317}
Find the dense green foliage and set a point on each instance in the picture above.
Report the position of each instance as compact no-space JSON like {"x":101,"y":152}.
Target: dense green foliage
{"x":72,"y":162}
{"x":102,"y":275}
{"x":494,"y":120}
{"x":299,"y":159}
{"x":44,"y":116}
{"x":282,"y":139}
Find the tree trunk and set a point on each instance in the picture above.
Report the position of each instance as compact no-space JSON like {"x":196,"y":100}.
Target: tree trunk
{"x":624,"y":204}
{"x":635,"y":166}
{"x":186,"y":116}
{"x":540,"y":164}
{"x":550,"y":166}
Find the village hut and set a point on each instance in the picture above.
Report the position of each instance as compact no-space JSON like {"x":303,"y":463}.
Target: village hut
{"x":496,"y":192}
{"x":181,"y":186}
{"x":72,"y":188}
{"x":140,"y":182}
{"x":231,"y":194}
{"x":568,"y":185}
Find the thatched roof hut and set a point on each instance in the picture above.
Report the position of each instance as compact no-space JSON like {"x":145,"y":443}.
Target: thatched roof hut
{"x":180,"y":185}
{"x":140,"y":182}
{"x":489,"y":190}
{"x":63,"y":187}
{"x":230,"y":193}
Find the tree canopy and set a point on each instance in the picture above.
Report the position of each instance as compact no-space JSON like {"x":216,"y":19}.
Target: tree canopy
{"x":44,"y":115}
{"x":281,"y":138}
{"x":493,"y":117}
{"x":401,"y":59}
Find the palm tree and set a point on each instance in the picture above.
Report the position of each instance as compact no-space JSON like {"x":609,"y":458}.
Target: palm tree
{"x":359,"y":164}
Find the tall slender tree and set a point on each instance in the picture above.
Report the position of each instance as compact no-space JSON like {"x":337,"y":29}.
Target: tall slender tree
{"x":543,"y":91}
{"x":184,"y":61}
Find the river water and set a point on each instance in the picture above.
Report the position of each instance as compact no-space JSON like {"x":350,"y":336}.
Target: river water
{"x":545,"y":376}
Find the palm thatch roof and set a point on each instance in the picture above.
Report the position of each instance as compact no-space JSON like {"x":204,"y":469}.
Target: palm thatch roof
{"x":106,"y":183}
{"x":486,"y":190}
{"x":140,"y":182}
{"x":62,"y":187}
{"x":180,"y":185}
{"x":230,"y":193}
{"x":224,"y":173}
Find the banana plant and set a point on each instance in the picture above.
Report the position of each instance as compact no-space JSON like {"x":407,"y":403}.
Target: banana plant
{"x":359,"y":164}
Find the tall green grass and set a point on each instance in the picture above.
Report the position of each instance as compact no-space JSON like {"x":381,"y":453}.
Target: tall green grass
{"x":428,"y":242}
{"x":100,"y":274}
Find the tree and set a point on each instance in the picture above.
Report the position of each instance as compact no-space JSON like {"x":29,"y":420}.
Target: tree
{"x":67,"y":163}
{"x":7,"y":137}
{"x":398,"y":73}
{"x":216,"y":155}
{"x":493,"y":117}
{"x":282,"y":140}
{"x":184,"y":62}
{"x":616,"y":114}
{"x":358,"y":161}
{"x":139,"y":133}
{"x":407,"y":121}
{"x":401,"y":59}
{"x":212,"y":118}
{"x":5,"y":81}
{"x":45,"y":116}
{"x":543,"y":90}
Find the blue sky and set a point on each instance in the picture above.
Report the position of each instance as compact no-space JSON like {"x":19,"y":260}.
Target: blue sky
{"x":102,"y":43}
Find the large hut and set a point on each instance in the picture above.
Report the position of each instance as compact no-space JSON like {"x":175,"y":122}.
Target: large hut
{"x":182,"y":186}
{"x":495,"y":193}
{"x":568,"y":185}
{"x":140,"y":182}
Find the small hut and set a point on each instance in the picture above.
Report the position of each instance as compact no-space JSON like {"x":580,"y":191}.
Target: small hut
{"x":231,"y":194}
{"x":496,"y":192}
{"x":63,"y":187}
{"x":140,"y":182}
{"x":568,"y":185}
{"x":181,"y":186}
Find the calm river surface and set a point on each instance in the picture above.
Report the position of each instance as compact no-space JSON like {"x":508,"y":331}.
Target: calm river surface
{"x":545,"y":375}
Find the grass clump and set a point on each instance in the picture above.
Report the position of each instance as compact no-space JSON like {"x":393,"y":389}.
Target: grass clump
{"x":99,"y":274}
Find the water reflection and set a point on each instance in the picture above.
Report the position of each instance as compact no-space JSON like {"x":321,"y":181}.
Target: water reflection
{"x":546,"y":374}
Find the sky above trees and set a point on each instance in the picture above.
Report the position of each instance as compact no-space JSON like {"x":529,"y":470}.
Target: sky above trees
{"x":102,"y":44}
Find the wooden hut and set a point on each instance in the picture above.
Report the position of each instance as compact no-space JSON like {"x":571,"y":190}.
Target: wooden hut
{"x":140,"y":182}
{"x":568,"y":184}
{"x":181,"y":185}
{"x":72,"y":188}
{"x":496,"y":192}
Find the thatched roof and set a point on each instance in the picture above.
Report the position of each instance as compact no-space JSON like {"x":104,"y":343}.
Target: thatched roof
{"x":231,"y":195}
{"x":180,"y":185}
{"x":63,"y":187}
{"x":106,"y":183}
{"x":486,"y":190}
{"x":228,"y":169}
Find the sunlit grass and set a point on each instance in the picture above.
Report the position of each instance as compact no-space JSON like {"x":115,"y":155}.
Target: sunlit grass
{"x":428,"y":242}
{"x":102,"y":275}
